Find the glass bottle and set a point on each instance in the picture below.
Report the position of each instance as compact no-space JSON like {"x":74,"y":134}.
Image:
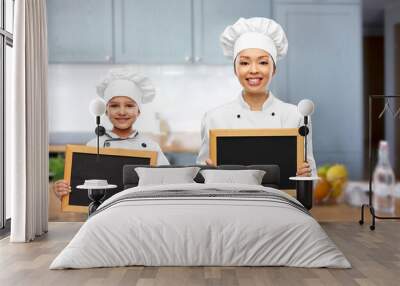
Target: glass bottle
{"x":383,"y":182}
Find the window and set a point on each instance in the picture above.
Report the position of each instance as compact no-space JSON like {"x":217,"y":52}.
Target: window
{"x":9,"y":15}
{"x":6,"y":43}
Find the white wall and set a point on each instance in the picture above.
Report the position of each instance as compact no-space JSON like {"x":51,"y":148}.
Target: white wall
{"x":184,"y":93}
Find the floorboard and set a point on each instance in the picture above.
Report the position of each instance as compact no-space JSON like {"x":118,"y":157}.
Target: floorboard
{"x":374,"y":255}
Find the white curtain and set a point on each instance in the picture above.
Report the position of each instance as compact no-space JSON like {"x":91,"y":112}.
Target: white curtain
{"x":26,"y":124}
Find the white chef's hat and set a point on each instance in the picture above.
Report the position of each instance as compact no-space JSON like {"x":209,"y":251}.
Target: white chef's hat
{"x":261,"y":33}
{"x":126,"y":82}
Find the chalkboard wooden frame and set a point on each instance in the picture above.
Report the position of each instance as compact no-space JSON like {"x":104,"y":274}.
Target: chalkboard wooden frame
{"x":72,"y":149}
{"x":292,"y":132}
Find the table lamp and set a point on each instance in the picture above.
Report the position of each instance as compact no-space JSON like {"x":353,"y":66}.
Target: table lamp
{"x":304,"y":185}
{"x":97,"y":108}
{"x":305,"y":108}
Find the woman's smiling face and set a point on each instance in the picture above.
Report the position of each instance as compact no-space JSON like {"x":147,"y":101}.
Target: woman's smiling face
{"x":122,"y":112}
{"x":254,"y":68}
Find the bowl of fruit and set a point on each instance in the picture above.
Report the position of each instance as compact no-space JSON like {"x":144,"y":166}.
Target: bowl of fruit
{"x":331,"y":186}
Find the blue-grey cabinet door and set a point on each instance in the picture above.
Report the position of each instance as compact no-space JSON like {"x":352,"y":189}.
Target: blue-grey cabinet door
{"x":324,"y":64}
{"x":392,"y":84}
{"x":153,"y":31}
{"x":211,"y":18}
{"x":79,"y":31}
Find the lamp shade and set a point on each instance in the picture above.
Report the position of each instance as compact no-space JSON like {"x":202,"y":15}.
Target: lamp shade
{"x":305,"y":107}
{"x":97,"y":107}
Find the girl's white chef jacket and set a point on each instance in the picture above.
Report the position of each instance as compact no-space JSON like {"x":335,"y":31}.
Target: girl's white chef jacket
{"x":135,"y":141}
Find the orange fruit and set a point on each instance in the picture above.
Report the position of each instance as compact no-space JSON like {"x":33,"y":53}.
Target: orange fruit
{"x":321,"y":190}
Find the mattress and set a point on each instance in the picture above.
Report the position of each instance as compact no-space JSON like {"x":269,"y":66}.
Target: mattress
{"x":201,"y":225}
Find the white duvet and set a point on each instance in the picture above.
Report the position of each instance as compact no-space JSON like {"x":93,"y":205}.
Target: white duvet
{"x":182,"y":231}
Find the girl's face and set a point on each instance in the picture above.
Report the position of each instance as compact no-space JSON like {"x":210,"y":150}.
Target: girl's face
{"x":254,"y":68}
{"x":122,"y":112}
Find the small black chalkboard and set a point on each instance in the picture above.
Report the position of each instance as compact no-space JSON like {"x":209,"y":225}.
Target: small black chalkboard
{"x":82,"y":163}
{"x":283,"y":147}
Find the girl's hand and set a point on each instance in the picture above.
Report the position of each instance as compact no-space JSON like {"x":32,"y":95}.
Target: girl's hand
{"x":209,"y":162}
{"x":61,"y":188}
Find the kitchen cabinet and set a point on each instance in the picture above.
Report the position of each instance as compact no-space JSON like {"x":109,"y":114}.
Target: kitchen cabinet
{"x":212,"y":17}
{"x":79,"y":31}
{"x":144,"y":32}
{"x":153,"y":31}
{"x":178,"y":31}
{"x":324,"y":65}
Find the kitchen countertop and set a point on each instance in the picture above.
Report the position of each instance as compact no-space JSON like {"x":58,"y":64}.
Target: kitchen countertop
{"x":177,"y":142}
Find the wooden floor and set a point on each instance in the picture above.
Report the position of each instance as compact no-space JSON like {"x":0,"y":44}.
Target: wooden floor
{"x":374,"y":255}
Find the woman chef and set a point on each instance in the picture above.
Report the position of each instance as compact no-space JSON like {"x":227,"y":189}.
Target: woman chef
{"x":124,"y":92}
{"x":255,"y":44}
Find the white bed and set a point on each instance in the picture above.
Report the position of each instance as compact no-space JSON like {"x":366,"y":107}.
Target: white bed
{"x":245,"y":225}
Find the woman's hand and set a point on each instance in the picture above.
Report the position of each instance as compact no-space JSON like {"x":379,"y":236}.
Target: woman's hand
{"x":304,"y":170}
{"x":61,"y":188}
{"x":209,"y":162}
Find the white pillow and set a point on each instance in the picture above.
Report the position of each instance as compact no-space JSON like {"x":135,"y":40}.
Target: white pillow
{"x":248,"y":177}
{"x":165,"y":176}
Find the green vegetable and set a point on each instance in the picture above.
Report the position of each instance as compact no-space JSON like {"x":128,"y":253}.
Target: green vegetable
{"x":56,"y":168}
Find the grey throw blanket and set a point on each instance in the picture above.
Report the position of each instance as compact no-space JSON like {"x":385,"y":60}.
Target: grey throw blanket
{"x":206,"y":194}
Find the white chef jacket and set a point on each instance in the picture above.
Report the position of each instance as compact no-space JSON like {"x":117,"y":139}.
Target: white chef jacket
{"x":237,"y":115}
{"x":135,"y":141}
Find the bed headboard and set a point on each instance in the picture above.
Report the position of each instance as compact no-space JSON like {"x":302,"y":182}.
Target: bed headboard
{"x":271,"y":178}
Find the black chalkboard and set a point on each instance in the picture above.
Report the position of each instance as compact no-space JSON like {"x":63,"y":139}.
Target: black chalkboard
{"x":241,"y":147}
{"x":82,"y":163}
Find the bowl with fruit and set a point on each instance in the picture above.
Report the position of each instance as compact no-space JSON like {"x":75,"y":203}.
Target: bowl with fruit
{"x":331,"y":186}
